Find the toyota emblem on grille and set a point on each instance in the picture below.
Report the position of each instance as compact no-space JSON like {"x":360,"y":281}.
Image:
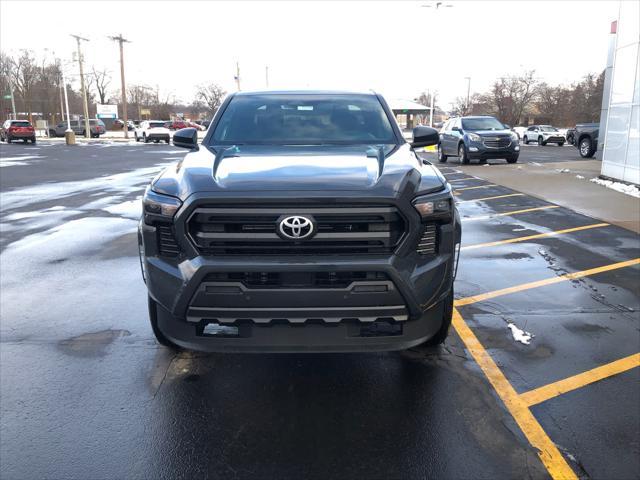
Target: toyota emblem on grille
{"x":296,"y":227}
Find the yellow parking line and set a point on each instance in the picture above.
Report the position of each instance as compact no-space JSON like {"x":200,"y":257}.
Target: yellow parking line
{"x":515,"y":212}
{"x":541,"y":394}
{"x":549,"y":454}
{"x":474,"y":188}
{"x":546,"y":281}
{"x":492,"y":198}
{"x":532,"y":237}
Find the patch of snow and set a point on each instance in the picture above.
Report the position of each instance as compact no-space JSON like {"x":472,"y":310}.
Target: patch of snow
{"x":121,"y":183}
{"x":580,"y":177}
{"x":131,"y":209}
{"x":625,"y":188}
{"x":13,"y":161}
{"x":69,"y":239}
{"x":486,"y":165}
{"x":519,"y":229}
{"x":564,"y":170}
{"x":35,"y":220}
{"x":101,"y":203}
{"x":536,"y":164}
{"x":520,"y":335}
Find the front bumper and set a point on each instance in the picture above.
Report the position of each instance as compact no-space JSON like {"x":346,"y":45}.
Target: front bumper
{"x":554,"y":139}
{"x":402,"y":307}
{"x":477,"y":150}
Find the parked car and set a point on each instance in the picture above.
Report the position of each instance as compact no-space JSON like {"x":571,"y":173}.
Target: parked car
{"x":152,"y":130}
{"x":17,"y":130}
{"x":119,"y":124}
{"x":478,"y":137}
{"x":176,"y":124}
{"x":96,"y":127}
{"x":586,"y":139}
{"x":571,"y":136}
{"x":519,"y":131}
{"x":195,"y":125}
{"x":299,"y":239}
{"x":543,"y":134}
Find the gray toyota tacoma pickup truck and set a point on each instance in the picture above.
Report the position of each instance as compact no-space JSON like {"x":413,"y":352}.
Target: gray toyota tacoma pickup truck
{"x":303,"y":222}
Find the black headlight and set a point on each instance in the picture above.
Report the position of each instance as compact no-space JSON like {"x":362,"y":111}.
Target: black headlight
{"x":158,"y":207}
{"x":431,"y":208}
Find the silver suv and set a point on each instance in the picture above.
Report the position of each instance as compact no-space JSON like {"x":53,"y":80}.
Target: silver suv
{"x":96,"y":126}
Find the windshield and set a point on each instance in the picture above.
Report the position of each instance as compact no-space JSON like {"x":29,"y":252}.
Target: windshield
{"x":299,"y":119}
{"x":547,"y":128}
{"x":156,"y":124}
{"x":488,"y":123}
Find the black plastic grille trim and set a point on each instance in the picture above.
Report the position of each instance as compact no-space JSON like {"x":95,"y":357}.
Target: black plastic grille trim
{"x":255,"y":280}
{"x":167,"y":244}
{"x":428,"y":244}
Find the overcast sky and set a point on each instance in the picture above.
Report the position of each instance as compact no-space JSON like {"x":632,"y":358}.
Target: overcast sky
{"x":397,"y":48}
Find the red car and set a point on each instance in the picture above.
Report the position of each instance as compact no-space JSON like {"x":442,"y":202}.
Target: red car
{"x":17,"y":129}
{"x":176,"y":125}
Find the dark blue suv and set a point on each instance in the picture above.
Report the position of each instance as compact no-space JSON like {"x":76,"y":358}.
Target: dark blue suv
{"x":480,"y":138}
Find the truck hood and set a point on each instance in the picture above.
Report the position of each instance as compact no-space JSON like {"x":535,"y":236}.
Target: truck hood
{"x":385,"y":169}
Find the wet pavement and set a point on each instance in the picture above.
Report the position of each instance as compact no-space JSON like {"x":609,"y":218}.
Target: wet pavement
{"x":87,"y":393}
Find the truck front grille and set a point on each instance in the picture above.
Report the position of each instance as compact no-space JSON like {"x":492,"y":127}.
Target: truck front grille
{"x":246,"y":230}
{"x":496,"y":142}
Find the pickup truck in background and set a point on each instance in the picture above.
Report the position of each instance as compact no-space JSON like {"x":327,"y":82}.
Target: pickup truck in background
{"x":586,"y":138}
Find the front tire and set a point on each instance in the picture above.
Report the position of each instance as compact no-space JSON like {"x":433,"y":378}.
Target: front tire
{"x":561,"y":144}
{"x":526,"y":140}
{"x":33,"y":140}
{"x":144,"y":138}
{"x":442,"y":158}
{"x":462,"y":153}
{"x":512,"y":159}
{"x":153,"y":318}
{"x":586,"y":148}
{"x":168,"y":141}
{"x":541,"y":142}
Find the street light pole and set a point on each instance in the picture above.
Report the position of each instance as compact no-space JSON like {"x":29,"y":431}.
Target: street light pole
{"x":69,"y":136}
{"x":266,"y":75}
{"x":87,"y":128}
{"x":122,"y":40}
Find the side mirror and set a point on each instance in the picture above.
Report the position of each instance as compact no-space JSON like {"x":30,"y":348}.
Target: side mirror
{"x":507,"y":126}
{"x":186,"y":138}
{"x":424,"y":137}
{"x":457,"y":129}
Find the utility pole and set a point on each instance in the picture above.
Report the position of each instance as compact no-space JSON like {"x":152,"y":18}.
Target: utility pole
{"x":60,"y":82}
{"x":266,"y":75}
{"x":431,"y":109}
{"x":87,"y":128}
{"x":13,"y":100}
{"x":121,"y":40}
{"x":468,"y":79}
{"x":238,"y":75}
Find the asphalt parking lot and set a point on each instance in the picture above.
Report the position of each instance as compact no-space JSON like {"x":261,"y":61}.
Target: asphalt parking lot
{"x":87,"y":393}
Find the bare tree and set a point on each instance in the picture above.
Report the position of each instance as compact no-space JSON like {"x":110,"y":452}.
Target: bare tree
{"x":25,"y":74}
{"x":510,"y":96}
{"x":101,"y":80}
{"x":211,"y":96}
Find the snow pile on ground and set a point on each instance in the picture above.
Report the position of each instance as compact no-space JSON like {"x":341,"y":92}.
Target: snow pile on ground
{"x":520,"y":335}
{"x":131,"y":209}
{"x":13,"y":161}
{"x":618,"y":186}
{"x":580,"y":177}
{"x":564,"y":170}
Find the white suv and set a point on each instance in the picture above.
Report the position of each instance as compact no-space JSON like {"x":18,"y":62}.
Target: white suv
{"x":544,"y":134}
{"x":152,"y":130}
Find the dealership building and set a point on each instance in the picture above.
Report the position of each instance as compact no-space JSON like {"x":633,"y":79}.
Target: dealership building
{"x":620,"y":119}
